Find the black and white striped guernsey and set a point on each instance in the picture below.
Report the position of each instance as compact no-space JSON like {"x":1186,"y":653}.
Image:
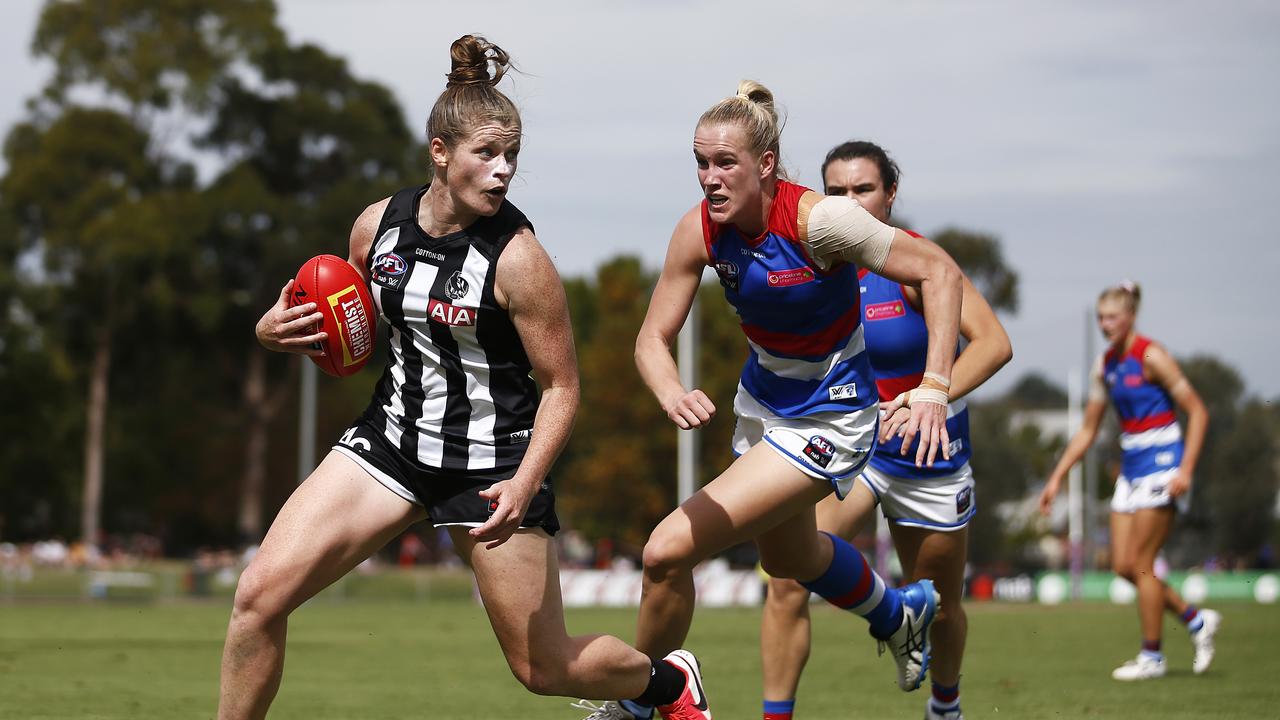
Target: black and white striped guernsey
{"x":456,"y":393}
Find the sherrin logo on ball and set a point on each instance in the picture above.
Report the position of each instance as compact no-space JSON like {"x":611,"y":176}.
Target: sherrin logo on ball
{"x":342,"y":298}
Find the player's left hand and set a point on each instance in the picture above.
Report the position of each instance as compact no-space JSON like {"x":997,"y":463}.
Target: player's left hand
{"x":510,"y":500}
{"x":929,"y":419}
{"x":1180,"y":484}
{"x":894,"y":421}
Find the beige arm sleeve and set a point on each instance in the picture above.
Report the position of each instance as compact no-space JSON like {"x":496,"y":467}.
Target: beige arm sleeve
{"x":838,"y":228}
{"x":1097,"y":386}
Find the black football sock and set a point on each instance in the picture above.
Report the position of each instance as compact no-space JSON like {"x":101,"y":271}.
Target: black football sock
{"x":666,"y":682}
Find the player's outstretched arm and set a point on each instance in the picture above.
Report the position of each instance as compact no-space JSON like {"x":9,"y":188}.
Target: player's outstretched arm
{"x":838,"y":228}
{"x":987,"y":351}
{"x":668,"y":311}
{"x":1079,"y":444}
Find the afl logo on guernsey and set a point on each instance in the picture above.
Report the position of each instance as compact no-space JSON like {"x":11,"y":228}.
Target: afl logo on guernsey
{"x":728,"y":272}
{"x":820,"y":450}
{"x":457,"y":286}
{"x":789,"y":278}
{"x":885,"y":311}
{"x":388,"y":270}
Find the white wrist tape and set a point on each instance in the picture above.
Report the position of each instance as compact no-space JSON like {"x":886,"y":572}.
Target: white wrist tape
{"x":841,"y":229}
{"x":928,"y":395}
{"x":922,"y":394}
{"x":940,"y":379}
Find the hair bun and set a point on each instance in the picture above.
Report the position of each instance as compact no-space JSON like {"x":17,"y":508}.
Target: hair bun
{"x":756,"y":93}
{"x":471,"y":55}
{"x":1132,"y":288}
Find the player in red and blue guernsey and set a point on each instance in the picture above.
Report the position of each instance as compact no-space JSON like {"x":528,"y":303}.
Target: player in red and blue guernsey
{"x":807,"y":409}
{"x":929,"y":506}
{"x":1145,"y":384}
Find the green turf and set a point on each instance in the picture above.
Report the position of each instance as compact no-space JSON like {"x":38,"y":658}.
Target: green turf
{"x":405,"y":660}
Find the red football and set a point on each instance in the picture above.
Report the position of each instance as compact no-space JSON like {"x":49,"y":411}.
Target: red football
{"x":340,"y":294}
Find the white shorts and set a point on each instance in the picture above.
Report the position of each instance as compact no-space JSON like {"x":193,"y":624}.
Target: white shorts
{"x":832,"y":446}
{"x":943,"y":503}
{"x":1146,"y":492}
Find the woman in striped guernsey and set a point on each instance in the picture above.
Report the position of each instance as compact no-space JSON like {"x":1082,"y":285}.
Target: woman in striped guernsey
{"x":806,"y":404}
{"x":1145,"y":384}
{"x":457,"y":432}
{"x":929,"y":508}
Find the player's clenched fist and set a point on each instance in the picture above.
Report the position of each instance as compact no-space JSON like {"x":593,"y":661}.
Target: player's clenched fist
{"x":690,"y":410}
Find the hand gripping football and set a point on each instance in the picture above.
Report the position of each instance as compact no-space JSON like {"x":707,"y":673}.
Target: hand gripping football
{"x":342,"y":296}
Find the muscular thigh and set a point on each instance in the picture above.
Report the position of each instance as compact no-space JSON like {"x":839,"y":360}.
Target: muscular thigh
{"x":846,"y":518}
{"x":520,"y":585}
{"x":1122,"y":550}
{"x":334,"y":520}
{"x":758,"y":492}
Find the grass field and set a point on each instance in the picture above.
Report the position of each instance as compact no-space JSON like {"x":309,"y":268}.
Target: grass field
{"x":439,"y":660}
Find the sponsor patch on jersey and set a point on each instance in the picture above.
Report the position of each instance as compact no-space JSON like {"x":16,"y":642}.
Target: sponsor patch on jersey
{"x":843,"y":392}
{"x":521,"y":436}
{"x":457,"y":286}
{"x":790,"y":278}
{"x":1132,"y":380}
{"x":1164,"y":458}
{"x":493,"y":507}
{"x":820,"y":450}
{"x":389,"y":270}
{"x":443,"y":312}
{"x":884,"y":310}
{"x":728,"y":272}
{"x":964,"y":498}
{"x":429,"y":254}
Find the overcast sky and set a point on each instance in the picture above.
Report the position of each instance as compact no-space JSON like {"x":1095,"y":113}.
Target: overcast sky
{"x":1098,"y":140}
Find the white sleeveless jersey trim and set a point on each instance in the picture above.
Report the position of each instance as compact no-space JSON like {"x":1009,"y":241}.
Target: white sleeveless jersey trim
{"x":476,"y":364}
{"x":793,"y":369}
{"x":1155,"y":437}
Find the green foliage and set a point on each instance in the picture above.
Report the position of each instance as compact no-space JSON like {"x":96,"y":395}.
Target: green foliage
{"x":981,"y":258}
{"x":150,"y":54}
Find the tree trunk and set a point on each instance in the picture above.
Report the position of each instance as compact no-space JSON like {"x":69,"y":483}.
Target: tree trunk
{"x":91,"y":508}
{"x":260,"y":408}
{"x":255,"y":464}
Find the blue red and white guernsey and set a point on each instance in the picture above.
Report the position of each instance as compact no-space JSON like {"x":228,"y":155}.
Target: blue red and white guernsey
{"x":898,"y":341}
{"x":803,"y":325}
{"x":1150,"y":439}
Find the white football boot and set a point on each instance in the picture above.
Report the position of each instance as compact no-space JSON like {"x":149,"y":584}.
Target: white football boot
{"x":1202,"y":639}
{"x":1142,"y":667}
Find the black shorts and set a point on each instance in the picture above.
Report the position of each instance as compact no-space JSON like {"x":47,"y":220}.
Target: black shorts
{"x":450,"y":497}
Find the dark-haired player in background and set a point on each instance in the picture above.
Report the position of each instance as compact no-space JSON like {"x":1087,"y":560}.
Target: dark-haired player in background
{"x":929,"y":508}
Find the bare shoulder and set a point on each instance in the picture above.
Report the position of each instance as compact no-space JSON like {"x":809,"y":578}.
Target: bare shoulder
{"x":805,"y":206}
{"x":687,"y":240}
{"x":525,"y":270}
{"x":362,"y":232}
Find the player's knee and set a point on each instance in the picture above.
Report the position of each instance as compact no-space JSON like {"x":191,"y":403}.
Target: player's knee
{"x":787,"y":596}
{"x":950,"y":614}
{"x":1124,"y":568}
{"x":539,"y":676}
{"x":666,"y":553}
{"x":257,"y":599}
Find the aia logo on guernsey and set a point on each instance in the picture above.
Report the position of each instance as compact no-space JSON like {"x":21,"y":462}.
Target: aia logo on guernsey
{"x":884,"y":311}
{"x":443,"y":312}
{"x":789,"y":278}
{"x":820,"y":450}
